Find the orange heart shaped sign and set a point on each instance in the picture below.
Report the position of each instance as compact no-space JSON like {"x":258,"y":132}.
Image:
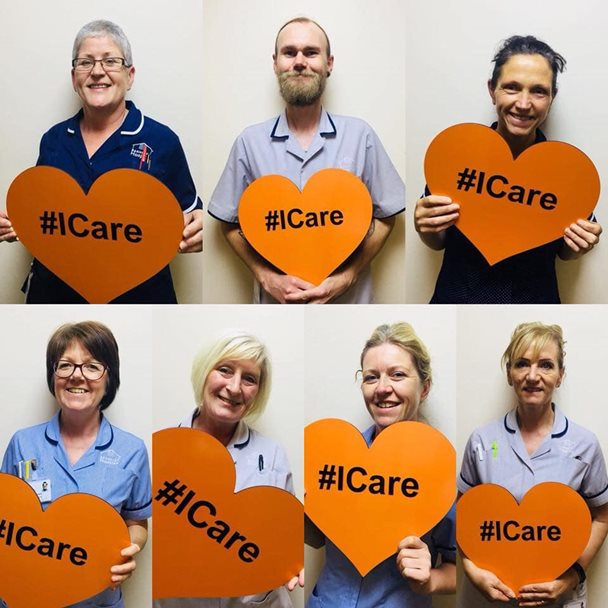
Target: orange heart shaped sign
{"x":366,"y":500}
{"x":306,"y":234}
{"x":65,"y":552}
{"x":509,"y":206}
{"x":531,"y":542}
{"x":126,"y":229}
{"x":209,"y":541}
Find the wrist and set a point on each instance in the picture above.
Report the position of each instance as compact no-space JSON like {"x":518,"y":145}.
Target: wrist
{"x":578,"y":574}
{"x":423,"y":588}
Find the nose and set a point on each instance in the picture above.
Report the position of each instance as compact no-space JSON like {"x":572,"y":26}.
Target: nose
{"x":523,"y":100}
{"x":97,"y":69}
{"x":233,"y":384}
{"x":300,"y":60}
{"x":384,"y":385}
{"x":77,"y":370}
{"x":532,"y":373}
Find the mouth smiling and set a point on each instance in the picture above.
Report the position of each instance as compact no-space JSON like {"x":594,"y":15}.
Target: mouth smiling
{"x":385,"y":405}
{"x":521,"y":118}
{"x":230,"y":402}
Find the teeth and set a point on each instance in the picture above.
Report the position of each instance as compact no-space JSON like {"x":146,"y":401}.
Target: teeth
{"x":385,"y":405}
{"x":76,"y":390}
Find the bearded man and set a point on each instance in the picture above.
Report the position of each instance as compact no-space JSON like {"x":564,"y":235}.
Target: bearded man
{"x":297,"y":144}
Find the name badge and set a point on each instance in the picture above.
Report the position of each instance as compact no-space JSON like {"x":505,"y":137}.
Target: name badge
{"x":42,"y":487}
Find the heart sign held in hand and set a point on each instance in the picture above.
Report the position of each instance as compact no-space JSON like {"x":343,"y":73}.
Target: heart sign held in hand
{"x":532,"y":542}
{"x":509,"y":206}
{"x":306,"y":234}
{"x":125,"y":230}
{"x":60,"y":556}
{"x":366,"y":500}
{"x":209,"y":541}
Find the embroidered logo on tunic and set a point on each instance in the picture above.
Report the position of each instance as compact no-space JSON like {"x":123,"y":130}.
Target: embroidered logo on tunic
{"x":144,"y":153}
{"x":566,"y":446}
{"x":109,"y":457}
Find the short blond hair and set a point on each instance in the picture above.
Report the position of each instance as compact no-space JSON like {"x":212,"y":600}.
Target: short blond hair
{"x":534,"y":335}
{"x":234,"y":345}
{"x":402,"y":334}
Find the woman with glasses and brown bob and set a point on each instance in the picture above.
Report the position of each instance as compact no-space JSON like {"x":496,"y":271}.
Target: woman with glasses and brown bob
{"x":78,"y":450}
{"x":111,"y":133}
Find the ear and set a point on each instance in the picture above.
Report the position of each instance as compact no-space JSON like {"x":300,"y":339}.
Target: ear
{"x":426,"y":389}
{"x":492,"y":92}
{"x":330,"y":65}
{"x":274,"y":62}
{"x":561,"y":377}
{"x":131,"y":75}
{"x":509,"y":379}
{"x":73,"y":79}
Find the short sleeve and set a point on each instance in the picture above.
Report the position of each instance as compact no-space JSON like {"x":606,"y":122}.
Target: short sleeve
{"x":44,"y":151}
{"x":594,"y":486}
{"x":11,"y":457}
{"x":178,"y":179}
{"x":382,"y":180}
{"x":224,"y":203}
{"x":139,"y":503}
{"x":469,"y":473}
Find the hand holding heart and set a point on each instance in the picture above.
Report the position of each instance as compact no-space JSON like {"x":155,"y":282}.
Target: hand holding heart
{"x":522,"y":544}
{"x":401,"y":486}
{"x":306,"y":234}
{"x":506,"y":206}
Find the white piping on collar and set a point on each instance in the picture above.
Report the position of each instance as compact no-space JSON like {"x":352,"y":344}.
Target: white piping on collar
{"x":71,"y":131}
{"x":141,"y":126}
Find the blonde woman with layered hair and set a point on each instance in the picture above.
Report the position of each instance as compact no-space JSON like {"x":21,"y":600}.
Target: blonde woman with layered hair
{"x":231,"y":381}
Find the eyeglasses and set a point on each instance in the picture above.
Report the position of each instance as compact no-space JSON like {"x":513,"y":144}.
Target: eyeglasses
{"x":91,"y":371}
{"x":109,"y":64}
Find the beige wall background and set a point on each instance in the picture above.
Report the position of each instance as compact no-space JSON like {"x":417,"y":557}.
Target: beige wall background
{"x":25,"y":399}
{"x":449,"y":48}
{"x":37,"y":93}
{"x":335,"y":338}
{"x":240,"y":89}
{"x":483,"y":394}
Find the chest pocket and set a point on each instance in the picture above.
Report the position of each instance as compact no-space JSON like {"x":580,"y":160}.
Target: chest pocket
{"x":565,"y":469}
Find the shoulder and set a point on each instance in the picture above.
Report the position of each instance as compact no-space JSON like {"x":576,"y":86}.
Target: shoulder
{"x":257,"y":441}
{"x":582,"y":437}
{"x":487,"y":432}
{"x":151,"y":127}
{"x":350,"y":122}
{"x":126,"y":441}
{"x":59,"y":130}
{"x":257,"y":131}
{"x":30,"y":433}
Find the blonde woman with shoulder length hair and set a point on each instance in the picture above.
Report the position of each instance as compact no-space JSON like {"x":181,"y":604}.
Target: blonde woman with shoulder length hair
{"x":231,"y":381}
{"x":532,"y":443}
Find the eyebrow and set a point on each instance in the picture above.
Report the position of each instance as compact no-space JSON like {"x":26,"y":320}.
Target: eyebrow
{"x":293,"y":47}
